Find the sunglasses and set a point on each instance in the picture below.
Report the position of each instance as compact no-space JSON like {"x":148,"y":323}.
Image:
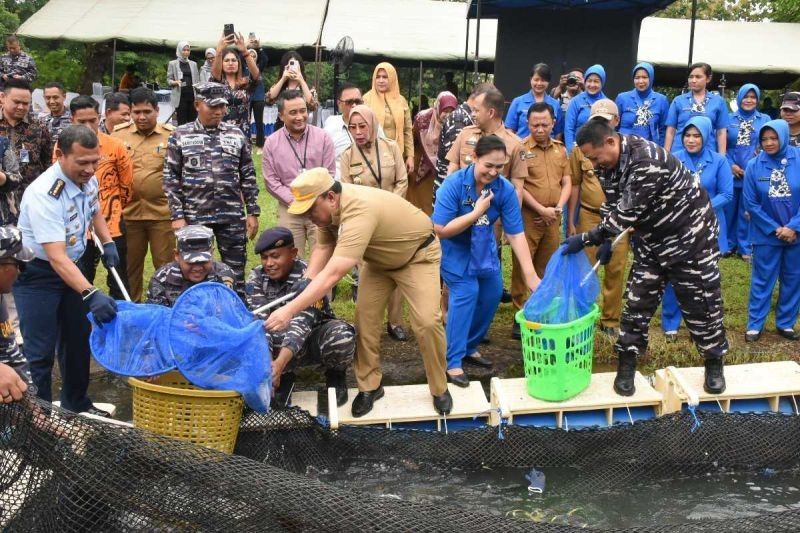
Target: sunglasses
{"x":352,"y":101}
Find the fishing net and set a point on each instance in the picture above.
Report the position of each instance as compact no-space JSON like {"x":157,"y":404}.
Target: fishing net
{"x":209,"y":335}
{"x":567,"y":292}
{"x":61,"y":472}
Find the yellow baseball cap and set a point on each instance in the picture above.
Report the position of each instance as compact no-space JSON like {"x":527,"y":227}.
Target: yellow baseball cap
{"x":307,"y":186}
{"x":604,"y":108}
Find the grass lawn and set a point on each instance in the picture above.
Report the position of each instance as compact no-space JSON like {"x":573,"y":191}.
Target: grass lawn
{"x":735,"y":282}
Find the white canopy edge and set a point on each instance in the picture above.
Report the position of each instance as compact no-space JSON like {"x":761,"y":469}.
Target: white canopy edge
{"x":738,"y":47}
{"x":403,"y":29}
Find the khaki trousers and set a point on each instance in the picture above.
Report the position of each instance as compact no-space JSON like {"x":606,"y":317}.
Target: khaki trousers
{"x":159,"y":236}
{"x":395,"y":312}
{"x":302,"y":229}
{"x":543,"y":242}
{"x":418,"y":283}
{"x":614,"y":271}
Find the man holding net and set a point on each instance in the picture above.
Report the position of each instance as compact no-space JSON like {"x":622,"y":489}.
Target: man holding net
{"x":675,"y":234}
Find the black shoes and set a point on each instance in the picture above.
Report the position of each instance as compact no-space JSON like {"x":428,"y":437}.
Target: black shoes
{"x":443,"y":403}
{"x":397,"y":332}
{"x":338,"y":380}
{"x":362,"y":404}
{"x":283,"y":394}
{"x":476,"y":359}
{"x":788,"y":334}
{"x":626,"y":371}
{"x":95,"y":411}
{"x":459,"y":380}
{"x":752,"y":337}
{"x":505,"y":298}
{"x":516,"y":334}
{"x":715,"y":379}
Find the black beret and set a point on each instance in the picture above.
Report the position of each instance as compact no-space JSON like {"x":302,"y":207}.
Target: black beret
{"x":276,"y":237}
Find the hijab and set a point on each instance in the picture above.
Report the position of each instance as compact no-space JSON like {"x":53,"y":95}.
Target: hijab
{"x":370,"y":118}
{"x":704,"y":126}
{"x":780,"y":193}
{"x":179,"y":51}
{"x":397,"y":104}
{"x":781,"y":128}
{"x":743,"y":90}
{"x":430,"y":136}
{"x":647,"y":67}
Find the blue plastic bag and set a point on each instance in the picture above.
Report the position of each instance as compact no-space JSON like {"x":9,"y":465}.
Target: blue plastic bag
{"x":483,"y":259}
{"x":567,"y":291}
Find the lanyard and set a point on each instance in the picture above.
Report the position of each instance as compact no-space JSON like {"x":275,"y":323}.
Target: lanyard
{"x":296,"y":155}
{"x":379,"y":175}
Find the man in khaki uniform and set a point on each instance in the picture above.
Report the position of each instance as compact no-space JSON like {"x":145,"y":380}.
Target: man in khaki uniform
{"x":587,"y":190}
{"x":546,"y":191}
{"x":396,"y":243}
{"x":146,"y":215}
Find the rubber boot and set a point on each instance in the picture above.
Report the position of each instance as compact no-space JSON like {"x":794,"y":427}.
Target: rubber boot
{"x":283,"y":394}
{"x":715,"y":378}
{"x":626,"y":371}
{"x":338,"y":380}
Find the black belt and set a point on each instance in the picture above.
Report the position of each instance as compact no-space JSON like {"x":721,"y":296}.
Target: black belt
{"x":591,"y":209}
{"x":426,"y":242}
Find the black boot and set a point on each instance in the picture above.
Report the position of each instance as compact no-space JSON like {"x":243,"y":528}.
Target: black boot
{"x":715,"y":378}
{"x":283,"y":394}
{"x":338,"y":380}
{"x":626,"y":371}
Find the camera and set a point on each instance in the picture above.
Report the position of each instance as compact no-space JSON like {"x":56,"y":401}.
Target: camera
{"x":572,"y":80}
{"x":292,"y":63}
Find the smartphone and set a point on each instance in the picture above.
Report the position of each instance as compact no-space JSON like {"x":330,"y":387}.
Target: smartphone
{"x":228,"y":30}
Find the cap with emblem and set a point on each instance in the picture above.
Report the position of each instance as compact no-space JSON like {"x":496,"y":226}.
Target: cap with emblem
{"x":791,"y":101}
{"x":11,"y":245}
{"x":277,"y":237}
{"x":195,"y":243}
{"x":211,"y":93}
{"x":307,"y":186}
{"x":604,"y":108}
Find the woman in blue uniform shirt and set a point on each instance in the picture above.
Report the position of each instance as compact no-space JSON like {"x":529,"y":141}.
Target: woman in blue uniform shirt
{"x":772,"y":197}
{"x":517,"y":116}
{"x":716,"y":178}
{"x":743,"y":128}
{"x":698,"y":102}
{"x":580,"y":106}
{"x":467,"y":205}
{"x":643,"y":111}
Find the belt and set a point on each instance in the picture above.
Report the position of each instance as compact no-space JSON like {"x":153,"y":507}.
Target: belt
{"x":426,"y":243}
{"x":591,"y":209}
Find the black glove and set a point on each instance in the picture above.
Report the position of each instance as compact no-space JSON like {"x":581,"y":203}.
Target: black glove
{"x":102,"y":306}
{"x":574,"y":244}
{"x":604,"y":252}
{"x":300,"y":285}
{"x":110,"y":255}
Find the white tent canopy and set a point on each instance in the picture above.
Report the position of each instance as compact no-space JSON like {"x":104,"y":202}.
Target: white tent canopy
{"x":403,"y":29}
{"x":734,"y":47}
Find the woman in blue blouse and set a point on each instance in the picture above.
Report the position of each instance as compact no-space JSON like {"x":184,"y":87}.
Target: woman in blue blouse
{"x":580,"y":106}
{"x":698,"y":102}
{"x":715,"y":177}
{"x":467,"y":205}
{"x":772,"y":197}
{"x":517,"y":116}
{"x":743,"y":129}
{"x":643,"y":111}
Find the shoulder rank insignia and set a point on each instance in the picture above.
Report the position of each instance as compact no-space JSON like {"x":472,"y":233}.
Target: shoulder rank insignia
{"x":57,"y":188}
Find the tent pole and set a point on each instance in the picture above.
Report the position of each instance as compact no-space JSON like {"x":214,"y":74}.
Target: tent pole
{"x":420,"y":84}
{"x":691,"y":32}
{"x":466,"y":59}
{"x":477,"y":39}
{"x":113,"y":63}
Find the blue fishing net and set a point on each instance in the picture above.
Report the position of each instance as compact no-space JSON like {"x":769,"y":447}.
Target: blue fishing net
{"x":209,"y":335}
{"x":218,"y":344}
{"x":135,"y":342}
{"x":567,"y":291}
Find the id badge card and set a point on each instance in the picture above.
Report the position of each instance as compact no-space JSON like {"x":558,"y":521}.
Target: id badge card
{"x":24,"y":156}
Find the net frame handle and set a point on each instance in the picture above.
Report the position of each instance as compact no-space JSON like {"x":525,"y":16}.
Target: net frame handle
{"x":614,"y":244}
{"x":274,"y":303}
{"x":112,"y":269}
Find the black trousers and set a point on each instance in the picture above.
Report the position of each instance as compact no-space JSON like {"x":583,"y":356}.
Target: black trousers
{"x":186,"y":111}
{"x":257,"y":109}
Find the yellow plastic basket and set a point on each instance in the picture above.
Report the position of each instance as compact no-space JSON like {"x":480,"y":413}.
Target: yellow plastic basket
{"x":175,"y":408}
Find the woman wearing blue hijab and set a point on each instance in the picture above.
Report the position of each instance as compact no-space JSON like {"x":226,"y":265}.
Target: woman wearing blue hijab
{"x":743,"y":129}
{"x":580,"y":106}
{"x":698,"y":102}
{"x":772,"y":197}
{"x":643,"y":111}
{"x":716,"y":178}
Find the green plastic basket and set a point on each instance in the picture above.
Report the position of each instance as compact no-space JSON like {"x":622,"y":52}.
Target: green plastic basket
{"x":558,"y":357}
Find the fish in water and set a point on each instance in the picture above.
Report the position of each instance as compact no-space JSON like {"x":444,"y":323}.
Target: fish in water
{"x":536,"y":481}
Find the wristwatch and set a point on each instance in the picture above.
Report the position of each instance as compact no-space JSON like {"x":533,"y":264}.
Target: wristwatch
{"x":85,"y":293}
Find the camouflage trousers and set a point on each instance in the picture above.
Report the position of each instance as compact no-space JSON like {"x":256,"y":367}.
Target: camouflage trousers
{"x":696,"y":281}
{"x":231,"y":240}
{"x":332,"y":345}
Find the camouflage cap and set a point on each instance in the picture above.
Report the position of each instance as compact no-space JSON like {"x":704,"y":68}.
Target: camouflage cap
{"x":11,"y":245}
{"x":195,"y":243}
{"x":791,"y":101}
{"x":211,"y":92}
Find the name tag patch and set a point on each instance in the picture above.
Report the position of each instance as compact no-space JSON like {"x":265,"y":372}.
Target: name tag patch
{"x":192,"y":140}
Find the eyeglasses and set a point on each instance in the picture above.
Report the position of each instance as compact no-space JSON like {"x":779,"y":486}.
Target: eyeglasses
{"x":352,"y":101}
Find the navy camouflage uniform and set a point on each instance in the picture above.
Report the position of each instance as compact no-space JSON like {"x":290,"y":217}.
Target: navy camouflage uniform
{"x":168,"y":282}
{"x":675,"y":239}
{"x":451,"y":127}
{"x":314,"y":335}
{"x":18,"y":65}
{"x":10,"y":353}
{"x":55,"y":125}
{"x":10,"y":190}
{"x":207,"y":173}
